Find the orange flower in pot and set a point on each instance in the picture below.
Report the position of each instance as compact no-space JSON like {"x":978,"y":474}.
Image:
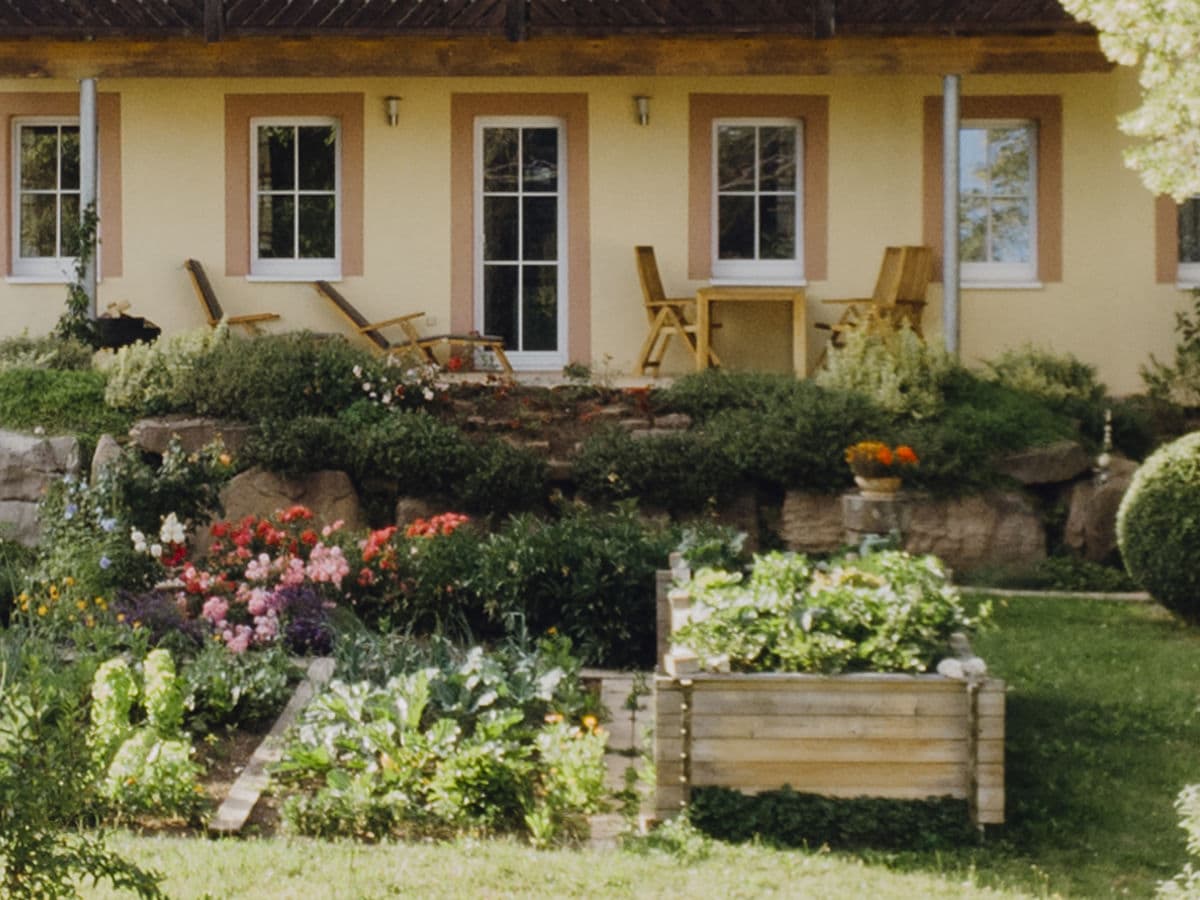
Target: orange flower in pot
{"x":878,"y":468}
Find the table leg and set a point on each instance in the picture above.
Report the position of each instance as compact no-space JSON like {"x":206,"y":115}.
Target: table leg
{"x":703,"y":330}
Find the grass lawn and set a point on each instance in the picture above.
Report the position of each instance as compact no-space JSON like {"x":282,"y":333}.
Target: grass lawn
{"x":1103,"y":731}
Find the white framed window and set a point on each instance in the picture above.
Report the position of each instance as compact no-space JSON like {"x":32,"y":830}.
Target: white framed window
{"x":45,"y":197}
{"x":521,"y":237}
{"x":295,"y":202}
{"x":1189,"y":242}
{"x":997,"y":201}
{"x":758,"y":200}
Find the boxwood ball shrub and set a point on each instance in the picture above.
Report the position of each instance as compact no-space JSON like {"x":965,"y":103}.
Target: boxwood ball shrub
{"x":1158,"y":529}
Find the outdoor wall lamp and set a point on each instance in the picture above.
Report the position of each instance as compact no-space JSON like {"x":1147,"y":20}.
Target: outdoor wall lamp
{"x":392,"y":104}
{"x":642,"y":103}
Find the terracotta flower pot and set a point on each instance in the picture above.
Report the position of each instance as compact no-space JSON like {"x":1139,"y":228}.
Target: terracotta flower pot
{"x":883,"y":488}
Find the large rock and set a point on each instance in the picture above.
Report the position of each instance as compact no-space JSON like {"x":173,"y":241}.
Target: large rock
{"x":19,"y":522}
{"x":28,"y":463}
{"x":811,"y":523}
{"x":330,"y":495}
{"x":154,"y":435}
{"x":994,"y":529}
{"x":1060,"y":461}
{"x":1092,"y":521}
{"x":409,"y":509}
{"x":107,"y":452}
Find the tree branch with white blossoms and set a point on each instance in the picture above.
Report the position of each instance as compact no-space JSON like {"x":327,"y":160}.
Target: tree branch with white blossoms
{"x":1164,"y":36}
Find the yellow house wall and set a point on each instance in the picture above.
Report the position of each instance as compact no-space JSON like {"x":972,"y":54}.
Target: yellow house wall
{"x":1107,"y":310}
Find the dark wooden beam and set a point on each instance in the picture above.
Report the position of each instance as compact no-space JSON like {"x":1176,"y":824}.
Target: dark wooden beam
{"x":496,"y":56}
{"x":214,"y":20}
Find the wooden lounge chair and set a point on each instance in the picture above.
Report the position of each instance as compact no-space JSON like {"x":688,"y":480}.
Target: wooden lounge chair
{"x":212,"y":306}
{"x":668,"y":317}
{"x":421,"y":345}
{"x":899,"y":296}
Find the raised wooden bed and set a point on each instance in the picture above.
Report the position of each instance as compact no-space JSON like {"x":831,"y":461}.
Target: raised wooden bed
{"x":899,"y":736}
{"x":906,"y":737}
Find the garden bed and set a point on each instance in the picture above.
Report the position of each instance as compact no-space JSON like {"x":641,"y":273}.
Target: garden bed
{"x":895,"y":736}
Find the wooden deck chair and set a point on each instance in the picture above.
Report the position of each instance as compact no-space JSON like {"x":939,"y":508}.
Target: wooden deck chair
{"x":899,"y":296}
{"x":668,"y":317}
{"x":421,"y":345}
{"x":212,"y":306}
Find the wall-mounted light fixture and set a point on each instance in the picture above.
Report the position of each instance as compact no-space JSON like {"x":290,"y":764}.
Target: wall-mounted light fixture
{"x":642,"y":103}
{"x":392,"y":104}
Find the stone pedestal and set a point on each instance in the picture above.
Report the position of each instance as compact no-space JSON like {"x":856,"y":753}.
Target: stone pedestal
{"x":864,"y":517}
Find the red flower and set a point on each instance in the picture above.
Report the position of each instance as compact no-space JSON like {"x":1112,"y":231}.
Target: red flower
{"x":296,"y":512}
{"x":219,"y":529}
{"x":884,"y":456}
{"x":454,"y":363}
{"x":309,"y":537}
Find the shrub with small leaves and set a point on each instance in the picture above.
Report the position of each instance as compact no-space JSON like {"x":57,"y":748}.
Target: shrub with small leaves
{"x":147,"y":379}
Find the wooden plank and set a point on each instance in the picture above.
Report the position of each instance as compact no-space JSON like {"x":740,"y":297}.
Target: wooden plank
{"x":466,"y":55}
{"x":833,"y":779}
{"x":754,"y":751}
{"x":865,"y":727}
{"x":823,"y":703}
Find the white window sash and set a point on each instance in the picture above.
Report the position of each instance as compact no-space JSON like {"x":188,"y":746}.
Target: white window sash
{"x":526,"y":360}
{"x":757,"y":271}
{"x":34,"y":269}
{"x":992,"y":274}
{"x":295,"y":268}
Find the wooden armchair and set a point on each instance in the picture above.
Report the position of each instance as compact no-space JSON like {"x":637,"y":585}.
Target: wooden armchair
{"x":413,"y":341}
{"x":899,"y":296}
{"x":212,"y":306}
{"x":668,"y":317}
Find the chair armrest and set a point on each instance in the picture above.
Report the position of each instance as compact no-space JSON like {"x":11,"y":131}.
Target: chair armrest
{"x":671,"y":301}
{"x":386,"y":322}
{"x":850,"y":300}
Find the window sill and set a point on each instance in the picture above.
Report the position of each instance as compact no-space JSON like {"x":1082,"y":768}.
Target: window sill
{"x":1002,"y":286}
{"x":334,"y":278}
{"x":37,"y":279}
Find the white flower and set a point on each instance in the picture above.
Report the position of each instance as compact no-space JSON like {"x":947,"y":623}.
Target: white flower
{"x":357,"y":370}
{"x":172,"y":531}
{"x":156,"y":550}
{"x":139,"y":541}
{"x":387,"y":398}
{"x":366,"y":385}
{"x":428,"y":394}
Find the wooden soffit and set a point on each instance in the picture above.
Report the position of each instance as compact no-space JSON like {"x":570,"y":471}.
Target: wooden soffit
{"x":551,"y":56}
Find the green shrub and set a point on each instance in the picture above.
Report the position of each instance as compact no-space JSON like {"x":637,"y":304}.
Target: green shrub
{"x":886,"y":612}
{"x":589,"y":575}
{"x":1158,"y":530}
{"x":147,"y":379}
{"x":223,"y":689}
{"x":898,"y":370}
{"x":45,"y":790}
{"x":62,"y":401}
{"x":704,"y":394}
{"x":1051,"y":376}
{"x":800,"y":442}
{"x":501,"y":478}
{"x":677,"y":472}
{"x":298,"y":444}
{"x":276,"y":377}
{"x":16,"y":563}
{"x":49,"y":352}
{"x":785,"y":818}
{"x":1179,"y":383}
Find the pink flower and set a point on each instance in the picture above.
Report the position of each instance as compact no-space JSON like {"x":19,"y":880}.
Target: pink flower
{"x":327,"y":564}
{"x":238,"y":641}
{"x":294,"y":573}
{"x":259,"y":569}
{"x":259,"y":602}
{"x":215,"y":609}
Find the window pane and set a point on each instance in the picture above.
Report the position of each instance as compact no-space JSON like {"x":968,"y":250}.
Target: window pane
{"x":540,"y":308}
{"x":500,"y":159}
{"x":778,"y":150}
{"x":39,"y":157}
{"x":276,"y":158}
{"x":276,"y":227}
{"x":1009,"y":161}
{"x":735,"y":158}
{"x":541,"y":228}
{"x":1189,"y":231}
{"x":972,"y":229}
{"x":777,"y":227}
{"x":541,"y":159}
{"x":318,"y":234}
{"x":735,"y":222}
{"x":318,"y":158}
{"x":39,"y":225}
{"x":500,"y":303}
{"x":1010,"y":231}
{"x":973,"y":160}
{"x":500,"y":228}
{"x":70,"y":224}
{"x":70,"y":158}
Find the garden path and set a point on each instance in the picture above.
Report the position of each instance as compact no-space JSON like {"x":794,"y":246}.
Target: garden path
{"x":629,"y":699}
